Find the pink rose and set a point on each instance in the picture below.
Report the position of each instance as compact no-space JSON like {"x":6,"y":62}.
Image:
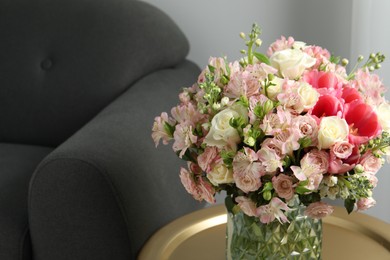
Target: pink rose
{"x":316,"y":157}
{"x":318,"y":210}
{"x":283,"y":186}
{"x":370,"y":163}
{"x":327,"y":105}
{"x":365,"y":203}
{"x":342,"y":150}
{"x":246,"y":205}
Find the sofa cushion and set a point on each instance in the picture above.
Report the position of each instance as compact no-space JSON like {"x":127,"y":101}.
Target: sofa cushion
{"x":61,"y":62}
{"x":17,"y":163}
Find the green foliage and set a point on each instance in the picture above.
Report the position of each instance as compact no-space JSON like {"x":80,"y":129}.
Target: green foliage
{"x":349,"y":204}
{"x":261,"y":57}
{"x":169,"y":129}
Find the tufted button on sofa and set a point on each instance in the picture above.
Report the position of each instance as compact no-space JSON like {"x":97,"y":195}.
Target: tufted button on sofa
{"x":80,"y":84}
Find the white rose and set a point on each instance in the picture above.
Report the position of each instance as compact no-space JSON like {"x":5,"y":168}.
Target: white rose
{"x":309,"y":95}
{"x":220,"y":174}
{"x":332,"y":130}
{"x":291,"y":62}
{"x":221,"y":133}
{"x":383,"y":112}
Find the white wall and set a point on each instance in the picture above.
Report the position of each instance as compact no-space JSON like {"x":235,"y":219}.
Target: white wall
{"x":346,"y":28}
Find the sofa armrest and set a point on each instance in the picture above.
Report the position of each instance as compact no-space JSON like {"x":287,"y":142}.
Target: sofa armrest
{"x":104,"y":191}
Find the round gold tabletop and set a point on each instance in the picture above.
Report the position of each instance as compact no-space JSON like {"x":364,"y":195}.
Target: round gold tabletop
{"x":201,"y":235}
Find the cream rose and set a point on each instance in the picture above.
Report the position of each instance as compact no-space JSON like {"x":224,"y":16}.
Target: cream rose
{"x":332,"y":130}
{"x":220,"y":174}
{"x":221,"y":133}
{"x":383,"y":112}
{"x":309,"y":95}
{"x":291,"y":62}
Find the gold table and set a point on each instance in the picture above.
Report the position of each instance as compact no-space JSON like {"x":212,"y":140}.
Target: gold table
{"x":201,"y":235}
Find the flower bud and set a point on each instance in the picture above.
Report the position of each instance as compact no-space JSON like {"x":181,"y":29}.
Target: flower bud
{"x":344,"y":62}
{"x":242,"y":35}
{"x":258,"y":42}
{"x":216,"y":106}
{"x":267,"y":195}
{"x":224,"y":101}
{"x":372,"y":55}
{"x":359,"y":169}
{"x":268,"y":106}
{"x":360,"y":58}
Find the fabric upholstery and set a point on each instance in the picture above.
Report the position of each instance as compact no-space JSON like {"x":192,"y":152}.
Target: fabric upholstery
{"x":87,"y":77}
{"x":106,"y":188}
{"x":17,"y":163}
{"x":62,"y":61}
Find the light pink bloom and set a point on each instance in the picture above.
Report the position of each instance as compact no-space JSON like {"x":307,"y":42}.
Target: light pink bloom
{"x":307,"y":127}
{"x":371,"y":87}
{"x":268,"y":213}
{"x":370,"y":163}
{"x":290,"y":99}
{"x":342,"y":150}
{"x":246,"y":205}
{"x":287,"y":140}
{"x":316,"y":157}
{"x":208,"y":158}
{"x":187,"y":114}
{"x":254,"y":101}
{"x":283,"y":185}
{"x":318,"y":210}
{"x":270,"y":160}
{"x":268,"y":143}
{"x":313,"y":165}
{"x":220,"y":69}
{"x":280,"y":44}
{"x":187,"y":179}
{"x":184,"y":138}
{"x":365,"y":203}
{"x":206,"y":190}
{"x":247,"y":170}
{"x":159,"y":129}
{"x":340,"y":166}
{"x":320,"y":54}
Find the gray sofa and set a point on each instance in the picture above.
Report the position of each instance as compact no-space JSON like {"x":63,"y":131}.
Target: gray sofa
{"x":80,"y":84}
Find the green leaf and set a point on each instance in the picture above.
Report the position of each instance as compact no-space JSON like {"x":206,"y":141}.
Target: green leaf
{"x":169,"y":129}
{"x":229,"y":203}
{"x":335,"y":59}
{"x":349,"y":204}
{"x":261,"y":57}
{"x":211,"y":68}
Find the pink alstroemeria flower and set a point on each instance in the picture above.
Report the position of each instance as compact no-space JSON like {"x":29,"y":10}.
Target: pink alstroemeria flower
{"x":268,"y":213}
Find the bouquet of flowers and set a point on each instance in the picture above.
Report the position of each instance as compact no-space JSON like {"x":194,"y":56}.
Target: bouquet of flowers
{"x":272,"y":127}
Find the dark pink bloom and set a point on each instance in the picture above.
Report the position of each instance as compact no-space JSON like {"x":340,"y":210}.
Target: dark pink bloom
{"x":363,"y":121}
{"x":321,"y":79}
{"x":327,"y":105}
{"x":350,"y":94}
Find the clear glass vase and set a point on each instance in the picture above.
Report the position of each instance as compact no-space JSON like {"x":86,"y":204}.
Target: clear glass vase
{"x":249,"y":239}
